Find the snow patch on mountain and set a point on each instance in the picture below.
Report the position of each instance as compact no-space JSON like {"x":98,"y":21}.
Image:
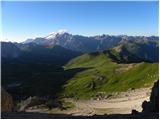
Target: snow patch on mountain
{"x":54,"y":34}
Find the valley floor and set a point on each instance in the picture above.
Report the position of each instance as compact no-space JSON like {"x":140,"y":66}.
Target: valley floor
{"x":122,"y":103}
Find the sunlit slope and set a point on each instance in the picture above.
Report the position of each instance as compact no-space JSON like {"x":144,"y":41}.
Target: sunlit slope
{"x":106,"y":75}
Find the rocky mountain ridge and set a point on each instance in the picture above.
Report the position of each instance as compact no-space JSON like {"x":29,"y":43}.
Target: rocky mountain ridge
{"x":82,"y":43}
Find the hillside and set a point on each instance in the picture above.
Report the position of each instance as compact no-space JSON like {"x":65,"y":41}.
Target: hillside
{"x":82,"y":77}
{"x":104,"y":75}
{"x":35,"y":54}
{"x":144,"y":49}
{"x":9,"y":50}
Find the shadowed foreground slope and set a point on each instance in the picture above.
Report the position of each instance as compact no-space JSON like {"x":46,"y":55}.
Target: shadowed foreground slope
{"x":23,"y":115}
{"x":150,"y":110}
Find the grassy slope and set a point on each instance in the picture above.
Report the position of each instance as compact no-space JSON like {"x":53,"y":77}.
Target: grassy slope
{"x":104,"y":75}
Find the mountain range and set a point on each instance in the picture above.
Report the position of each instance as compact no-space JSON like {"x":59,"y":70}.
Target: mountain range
{"x":66,"y":65}
{"x":60,"y":47}
{"x":83,"y":43}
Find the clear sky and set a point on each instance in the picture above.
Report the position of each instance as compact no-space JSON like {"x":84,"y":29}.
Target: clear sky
{"x":22,"y":20}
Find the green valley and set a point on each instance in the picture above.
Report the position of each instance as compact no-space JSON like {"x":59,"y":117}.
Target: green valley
{"x":105,"y":75}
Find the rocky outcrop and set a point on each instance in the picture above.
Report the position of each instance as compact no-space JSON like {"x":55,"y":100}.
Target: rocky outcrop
{"x":153,"y":104}
{"x":151,"y":107}
{"x":6,"y":101}
{"x":30,"y":102}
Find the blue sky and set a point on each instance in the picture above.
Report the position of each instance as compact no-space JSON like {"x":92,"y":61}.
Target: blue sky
{"x":22,"y":20}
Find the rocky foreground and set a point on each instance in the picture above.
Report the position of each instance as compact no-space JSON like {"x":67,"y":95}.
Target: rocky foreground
{"x":24,"y":115}
{"x":125,"y":106}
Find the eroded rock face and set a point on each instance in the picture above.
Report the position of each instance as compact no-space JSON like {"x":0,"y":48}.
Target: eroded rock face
{"x":30,"y":102}
{"x":153,"y":104}
{"x":154,"y":100}
{"x":6,"y":101}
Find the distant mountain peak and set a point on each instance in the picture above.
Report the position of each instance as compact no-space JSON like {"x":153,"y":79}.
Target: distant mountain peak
{"x":82,"y":43}
{"x":53,"y":35}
